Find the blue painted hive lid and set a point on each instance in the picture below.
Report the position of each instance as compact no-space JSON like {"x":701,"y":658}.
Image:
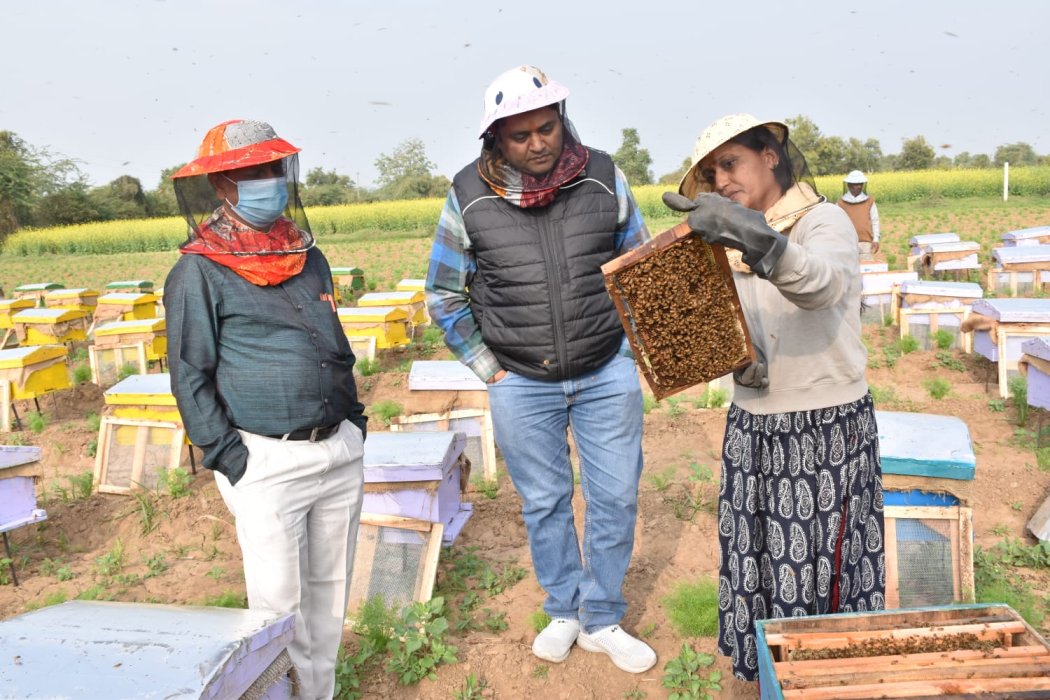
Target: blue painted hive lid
{"x":1025,"y":233}
{"x":924,"y":239}
{"x":18,"y":455}
{"x":920,"y":444}
{"x":1016,"y":255}
{"x":1014,"y":310}
{"x":1037,"y":347}
{"x":411,"y":456}
{"x":84,"y":649}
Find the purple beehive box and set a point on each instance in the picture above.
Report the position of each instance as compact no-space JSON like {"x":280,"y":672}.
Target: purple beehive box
{"x":1038,"y":379}
{"x":18,"y":473}
{"x":416,"y":475}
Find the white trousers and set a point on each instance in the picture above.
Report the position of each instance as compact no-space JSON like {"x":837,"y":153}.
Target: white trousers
{"x":297,"y":508}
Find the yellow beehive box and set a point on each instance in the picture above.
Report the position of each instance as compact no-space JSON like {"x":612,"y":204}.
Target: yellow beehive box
{"x":387,"y":324}
{"x":352,"y":277}
{"x":50,"y":326}
{"x":36,"y":291}
{"x":30,"y":372}
{"x":143,"y":397}
{"x":159,"y":293}
{"x":151,"y":331}
{"x":413,"y":303}
{"x":125,"y":306}
{"x":10,"y":307}
{"x":411,"y":285}
{"x":79,"y":299}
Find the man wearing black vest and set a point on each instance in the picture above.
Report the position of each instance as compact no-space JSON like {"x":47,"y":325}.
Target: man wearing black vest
{"x":515,"y":284}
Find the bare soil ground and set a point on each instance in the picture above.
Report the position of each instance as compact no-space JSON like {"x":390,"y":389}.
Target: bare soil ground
{"x":184,"y":550}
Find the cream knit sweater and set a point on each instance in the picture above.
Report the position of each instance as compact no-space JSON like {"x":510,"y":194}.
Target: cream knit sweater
{"x":805,"y":319}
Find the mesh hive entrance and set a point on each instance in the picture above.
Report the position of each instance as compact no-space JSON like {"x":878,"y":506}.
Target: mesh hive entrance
{"x":678,"y":305}
{"x":396,"y":559}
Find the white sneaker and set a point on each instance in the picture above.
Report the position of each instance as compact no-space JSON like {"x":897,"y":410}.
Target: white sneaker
{"x":555,"y":641}
{"x":627,"y":653}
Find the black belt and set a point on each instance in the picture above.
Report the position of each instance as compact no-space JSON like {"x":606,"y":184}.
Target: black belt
{"x":311,"y":434}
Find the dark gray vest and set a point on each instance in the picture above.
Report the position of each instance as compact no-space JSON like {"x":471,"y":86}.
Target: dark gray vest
{"x":538,"y":293}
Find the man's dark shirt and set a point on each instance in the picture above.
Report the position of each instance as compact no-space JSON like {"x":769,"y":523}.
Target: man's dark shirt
{"x":268,"y":360}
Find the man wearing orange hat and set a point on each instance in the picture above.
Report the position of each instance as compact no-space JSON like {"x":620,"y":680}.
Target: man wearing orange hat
{"x":262,"y":375}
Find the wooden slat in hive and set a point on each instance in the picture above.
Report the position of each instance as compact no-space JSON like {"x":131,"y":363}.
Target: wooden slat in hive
{"x":679,"y":307}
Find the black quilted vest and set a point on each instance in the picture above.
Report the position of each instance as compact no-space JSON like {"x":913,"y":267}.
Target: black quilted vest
{"x":538,"y":294}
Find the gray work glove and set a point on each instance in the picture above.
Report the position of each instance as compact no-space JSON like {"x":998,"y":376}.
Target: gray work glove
{"x":754,"y":375}
{"x":723,"y":221}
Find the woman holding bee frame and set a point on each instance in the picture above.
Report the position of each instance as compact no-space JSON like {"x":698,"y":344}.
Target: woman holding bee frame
{"x":800,"y":506}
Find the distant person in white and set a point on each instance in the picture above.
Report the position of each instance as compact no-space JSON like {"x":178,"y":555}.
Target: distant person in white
{"x":862,"y":212}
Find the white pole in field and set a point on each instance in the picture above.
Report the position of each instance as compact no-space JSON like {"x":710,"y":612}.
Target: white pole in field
{"x":1006,"y":180}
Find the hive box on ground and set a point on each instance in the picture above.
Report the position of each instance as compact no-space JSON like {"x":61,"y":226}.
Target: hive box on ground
{"x":1035,"y":365}
{"x":89,"y":649}
{"x":8,"y":308}
{"x":29,"y":373}
{"x":877,"y":294}
{"x":418,"y":476}
{"x":79,"y":299}
{"x":36,"y":291}
{"x":917,"y":243}
{"x":958,"y":651}
{"x":437,"y":386}
{"x":125,"y":306}
{"x":19,"y":471}
{"x":950,"y":258}
{"x":50,"y":326}
{"x":1020,"y":270}
{"x":389,"y":325}
{"x":1037,"y":235}
{"x":925,"y":307}
{"x":1000,"y":328}
{"x":413,"y":304}
{"x":928,"y":466}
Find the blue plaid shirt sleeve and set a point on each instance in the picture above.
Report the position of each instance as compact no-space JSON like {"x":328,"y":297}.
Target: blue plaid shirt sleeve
{"x":452,"y":267}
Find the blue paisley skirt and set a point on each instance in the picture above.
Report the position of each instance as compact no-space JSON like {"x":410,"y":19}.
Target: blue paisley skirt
{"x":800,"y":521}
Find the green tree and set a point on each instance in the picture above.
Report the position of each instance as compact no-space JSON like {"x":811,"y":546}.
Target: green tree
{"x":122,"y":198}
{"x":969,"y":160}
{"x":161,"y":201}
{"x":675,"y":176}
{"x":916,"y":154}
{"x":633,"y":160}
{"x":327,"y":187}
{"x":28,"y":174}
{"x":1016,"y":154}
{"x":69,"y":205}
{"x":408,"y":160}
{"x":806,"y":136}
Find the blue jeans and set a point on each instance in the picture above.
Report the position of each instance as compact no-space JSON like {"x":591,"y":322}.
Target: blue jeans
{"x":604,"y":410}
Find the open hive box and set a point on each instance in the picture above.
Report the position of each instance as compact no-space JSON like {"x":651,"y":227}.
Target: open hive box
{"x":679,"y":307}
{"x":878,"y":294}
{"x":954,"y":257}
{"x":920,"y":241}
{"x":956,"y":651}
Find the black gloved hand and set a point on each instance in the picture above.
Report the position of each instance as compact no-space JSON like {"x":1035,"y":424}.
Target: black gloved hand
{"x":723,"y":221}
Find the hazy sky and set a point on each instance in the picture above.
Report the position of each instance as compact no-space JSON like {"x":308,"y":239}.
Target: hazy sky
{"x":131,"y":87}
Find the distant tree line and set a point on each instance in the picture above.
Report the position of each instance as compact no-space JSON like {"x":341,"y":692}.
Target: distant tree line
{"x":39,"y":188}
{"x":833,"y":155}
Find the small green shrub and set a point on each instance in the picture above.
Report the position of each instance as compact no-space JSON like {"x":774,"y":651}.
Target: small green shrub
{"x":946,"y":359}
{"x":996,"y":405}
{"x":176,"y":481}
{"x":684,"y":676}
{"x":366,"y":367}
{"x":662,"y":480}
{"x":112,"y":562}
{"x":937,"y":387}
{"x":227,"y":599}
{"x":649,"y":402}
{"x":1042,"y":459}
{"x":539,"y":620}
{"x":943,"y":339}
{"x":81,"y":374}
{"x":908,"y":344}
{"x":418,"y":645}
{"x":1018,"y":387}
{"x":692,"y":608}
{"x":92,"y":421}
{"x":92,"y":447}
{"x":35,"y":421}
{"x":385,"y":409}
{"x":128,"y":369}
{"x":713,"y":397}
{"x":489,"y":488}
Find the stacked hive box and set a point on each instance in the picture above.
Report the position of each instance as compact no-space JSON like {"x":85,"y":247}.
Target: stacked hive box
{"x":919,"y":242}
{"x":389,"y":325}
{"x":447,"y":395}
{"x":144,"y":286}
{"x":134,"y":650}
{"x":141,"y":434}
{"x":8,"y":308}
{"x":411,"y":285}
{"x":925,"y":307}
{"x":118,"y":343}
{"x":1000,"y":327}
{"x":78,"y":299}
{"x":1038,"y":235}
{"x":957,"y":258}
{"x":50,"y":326}
{"x":413,"y":484}
{"x":928,"y":468}
{"x":412,"y":303}
{"x":29,"y":373}
{"x":960,"y":651}
{"x":125,"y":306}
{"x":36,"y":291}
{"x":1020,"y":270}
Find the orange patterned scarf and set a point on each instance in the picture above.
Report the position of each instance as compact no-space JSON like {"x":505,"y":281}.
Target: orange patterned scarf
{"x":263,"y":258}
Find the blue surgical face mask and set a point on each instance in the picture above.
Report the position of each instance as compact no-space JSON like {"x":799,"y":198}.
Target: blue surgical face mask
{"x":260,"y":202}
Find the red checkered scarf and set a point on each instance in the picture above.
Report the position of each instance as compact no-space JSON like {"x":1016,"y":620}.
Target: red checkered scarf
{"x":524,"y":190}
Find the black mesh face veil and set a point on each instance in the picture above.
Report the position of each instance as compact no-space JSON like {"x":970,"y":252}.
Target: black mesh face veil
{"x":201,"y":205}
